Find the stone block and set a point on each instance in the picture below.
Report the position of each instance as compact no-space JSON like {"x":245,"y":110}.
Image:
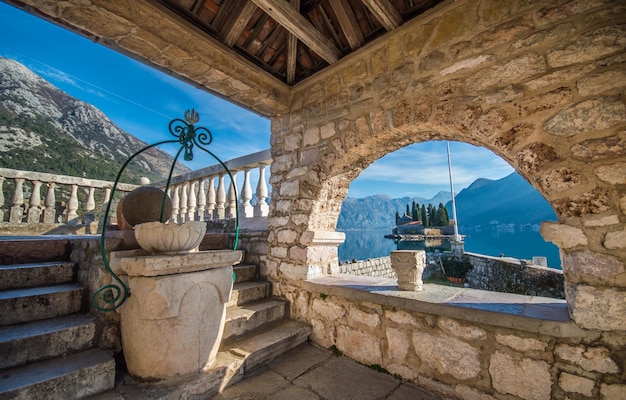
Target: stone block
{"x":614,"y":174}
{"x":602,"y":148}
{"x":467,"y":332}
{"x":613,"y":392}
{"x":564,"y":236}
{"x":576,"y":384}
{"x":587,"y":116}
{"x":521,"y":344}
{"x":525,"y":378}
{"x":589,"y":46}
{"x":361,"y":346}
{"x":594,"y":264}
{"x":588,"y":358}
{"x":615,"y":240}
{"x":447,"y":355}
{"x":397,"y":344}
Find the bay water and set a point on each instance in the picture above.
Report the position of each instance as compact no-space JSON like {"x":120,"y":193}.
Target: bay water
{"x":510,"y":241}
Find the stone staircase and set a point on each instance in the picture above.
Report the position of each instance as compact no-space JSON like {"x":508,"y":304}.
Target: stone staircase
{"x":48,"y":339}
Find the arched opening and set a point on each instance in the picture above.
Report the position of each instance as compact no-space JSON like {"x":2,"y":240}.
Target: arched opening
{"x":499,"y":212}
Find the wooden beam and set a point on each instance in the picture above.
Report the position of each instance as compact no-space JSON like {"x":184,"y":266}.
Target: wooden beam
{"x":385,"y":13}
{"x":348,"y":23}
{"x":290,"y":19}
{"x":292,"y":50}
{"x":239,"y":24}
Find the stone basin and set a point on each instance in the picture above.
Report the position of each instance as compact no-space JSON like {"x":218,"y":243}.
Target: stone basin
{"x":172,"y":324}
{"x":158,"y":237}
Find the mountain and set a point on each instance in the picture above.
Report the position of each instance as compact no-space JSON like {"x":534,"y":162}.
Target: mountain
{"x":510,"y":200}
{"x":44,"y":129}
{"x":379,"y":211}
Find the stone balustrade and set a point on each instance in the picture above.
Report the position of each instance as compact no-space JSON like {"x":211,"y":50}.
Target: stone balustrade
{"x":207,"y":194}
{"x":203,"y":195}
{"x":67,"y":200}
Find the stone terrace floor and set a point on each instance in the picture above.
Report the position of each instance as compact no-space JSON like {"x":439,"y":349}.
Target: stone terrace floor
{"x":309,"y":372}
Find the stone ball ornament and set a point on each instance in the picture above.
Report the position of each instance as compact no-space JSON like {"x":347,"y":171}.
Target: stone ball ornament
{"x":165,"y":238}
{"x":144,"y":205}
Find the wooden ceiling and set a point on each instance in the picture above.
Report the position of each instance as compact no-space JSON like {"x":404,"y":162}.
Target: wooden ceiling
{"x":294,"y":39}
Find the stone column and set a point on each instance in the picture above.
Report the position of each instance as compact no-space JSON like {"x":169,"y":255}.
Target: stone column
{"x":409,"y":266}
{"x":320,"y":256}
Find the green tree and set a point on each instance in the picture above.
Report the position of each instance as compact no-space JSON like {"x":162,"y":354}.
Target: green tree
{"x":424,"y":215}
{"x":397,"y":217}
{"x":442,"y":212}
{"x":415,"y":212}
{"x":408,"y":210}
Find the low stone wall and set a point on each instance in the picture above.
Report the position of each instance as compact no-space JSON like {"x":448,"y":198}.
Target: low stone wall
{"x":507,"y":275}
{"x":377,"y":267}
{"x":510,"y":275}
{"x":462,"y":352}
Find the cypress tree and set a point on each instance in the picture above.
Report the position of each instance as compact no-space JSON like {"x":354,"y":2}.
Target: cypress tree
{"x":415,"y":212}
{"x":424,"y":215}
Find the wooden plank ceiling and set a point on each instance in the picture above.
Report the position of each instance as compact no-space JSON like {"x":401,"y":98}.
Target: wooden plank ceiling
{"x":294,"y":39}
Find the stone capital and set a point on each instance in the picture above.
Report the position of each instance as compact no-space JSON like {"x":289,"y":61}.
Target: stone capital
{"x":322,"y":238}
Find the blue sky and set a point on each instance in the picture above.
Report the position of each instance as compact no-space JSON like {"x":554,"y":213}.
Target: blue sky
{"x":142,"y":101}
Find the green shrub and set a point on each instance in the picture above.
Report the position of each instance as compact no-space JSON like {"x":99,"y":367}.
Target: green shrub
{"x":456,"y":267}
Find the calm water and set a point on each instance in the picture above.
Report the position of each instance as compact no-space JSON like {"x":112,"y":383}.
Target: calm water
{"x":524,"y":244}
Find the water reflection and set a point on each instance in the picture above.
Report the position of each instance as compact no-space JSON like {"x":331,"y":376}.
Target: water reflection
{"x":524,"y":244}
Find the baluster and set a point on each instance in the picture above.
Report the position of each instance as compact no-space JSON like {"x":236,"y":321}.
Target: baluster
{"x":211,"y":199}
{"x":246,"y":194}
{"x":221,"y":199}
{"x":232,"y":197}
{"x":201,"y":200}
{"x":34,"y":209}
{"x":261,"y":209}
{"x":72,"y":206}
{"x":183,"y":201}
{"x":17,"y":210}
{"x":90,"y":205}
{"x":193,"y":202}
{"x":1,"y":199}
{"x":103,"y":207}
{"x":175,"y":204}
{"x":50,"y":211}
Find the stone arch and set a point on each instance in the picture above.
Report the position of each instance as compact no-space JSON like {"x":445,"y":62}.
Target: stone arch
{"x":543,"y":92}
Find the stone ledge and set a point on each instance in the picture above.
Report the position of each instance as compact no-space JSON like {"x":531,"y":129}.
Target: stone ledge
{"x":540,"y":315}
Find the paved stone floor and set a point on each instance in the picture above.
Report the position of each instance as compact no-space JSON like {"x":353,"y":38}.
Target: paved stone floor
{"x":309,"y":372}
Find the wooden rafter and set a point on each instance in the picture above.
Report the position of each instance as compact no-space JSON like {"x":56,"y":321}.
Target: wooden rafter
{"x":290,"y":19}
{"x":385,"y":13}
{"x":348,"y":24}
{"x":239,"y":24}
{"x":292,"y":49}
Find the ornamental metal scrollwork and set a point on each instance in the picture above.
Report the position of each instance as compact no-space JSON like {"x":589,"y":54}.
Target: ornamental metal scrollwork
{"x":111,"y":296}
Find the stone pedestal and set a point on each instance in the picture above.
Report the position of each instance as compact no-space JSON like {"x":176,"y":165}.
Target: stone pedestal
{"x":173,"y":322}
{"x":409,"y":267}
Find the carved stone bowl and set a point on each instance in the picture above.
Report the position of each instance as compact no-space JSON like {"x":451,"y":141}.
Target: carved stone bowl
{"x":164,"y":238}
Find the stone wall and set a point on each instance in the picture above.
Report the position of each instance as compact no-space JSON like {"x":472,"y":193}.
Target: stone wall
{"x":377,"y":267}
{"x":461,"y":352}
{"x":510,"y":275}
{"x":540,"y":83}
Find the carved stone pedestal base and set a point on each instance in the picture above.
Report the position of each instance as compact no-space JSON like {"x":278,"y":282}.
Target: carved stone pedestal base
{"x":409,"y":266}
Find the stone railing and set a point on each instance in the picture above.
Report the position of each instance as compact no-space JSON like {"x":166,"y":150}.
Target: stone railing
{"x":207,"y":194}
{"x":202,"y":195}
{"x":61,"y":203}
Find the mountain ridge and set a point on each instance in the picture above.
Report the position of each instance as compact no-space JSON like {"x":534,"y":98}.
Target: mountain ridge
{"x":509,"y":200}
{"x":42,"y":128}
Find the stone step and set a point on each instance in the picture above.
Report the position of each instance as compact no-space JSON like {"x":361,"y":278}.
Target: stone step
{"x":239,"y":356}
{"x":245,"y":272}
{"x":33,"y":249}
{"x":246,"y":318}
{"x":15,"y":276}
{"x":72,"y":377}
{"x":25,"y":305}
{"x":247,"y":292}
{"x":48,"y":338}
